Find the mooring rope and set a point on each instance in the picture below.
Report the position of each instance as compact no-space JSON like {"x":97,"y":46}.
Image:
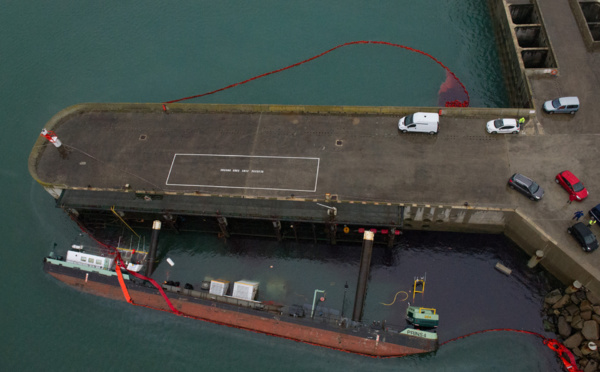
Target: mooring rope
{"x":397,"y":293}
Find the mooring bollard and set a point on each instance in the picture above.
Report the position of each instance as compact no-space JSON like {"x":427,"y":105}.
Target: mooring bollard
{"x":576,"y":286}
{"x":53,"y":138}
{"x":589,"y":348}
{"x":535,"y":259}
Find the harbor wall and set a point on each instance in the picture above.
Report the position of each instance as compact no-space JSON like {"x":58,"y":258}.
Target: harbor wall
{"x":524,"y":48}
{"x":562,"y":262}
{"x":560,"y":258}
{"x":513,"y":69}
{"x":587,"y":15}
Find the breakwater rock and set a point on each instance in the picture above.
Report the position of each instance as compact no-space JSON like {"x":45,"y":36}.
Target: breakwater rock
{"x":574,"y":315}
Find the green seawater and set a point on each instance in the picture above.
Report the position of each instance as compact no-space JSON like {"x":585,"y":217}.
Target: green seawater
{"x":54,"y":54}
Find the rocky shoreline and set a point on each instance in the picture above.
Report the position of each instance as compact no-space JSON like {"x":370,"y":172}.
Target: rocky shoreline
{"x":574,"y":315}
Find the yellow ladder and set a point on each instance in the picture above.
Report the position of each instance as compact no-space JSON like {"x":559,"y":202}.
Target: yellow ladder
{"x":419,"y":282}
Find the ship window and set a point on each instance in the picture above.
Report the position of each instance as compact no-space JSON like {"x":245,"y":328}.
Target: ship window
{"x":83,"y":259}
{"x":91,"y":260}
{"x":98,"y":262}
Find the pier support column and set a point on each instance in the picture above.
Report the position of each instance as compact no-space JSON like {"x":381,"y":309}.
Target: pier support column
{"x":153,"y":246}
{"x":332,"y":232}
{"x":294,"y":227}
{"x":363,"y":276}
{"x":331,"y":225}
{"x":391,"y":237}
{"x":277,"y":228}
{"x":223,"y":226}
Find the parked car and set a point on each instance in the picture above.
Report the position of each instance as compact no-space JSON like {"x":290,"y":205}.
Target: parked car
{"x":572,"y":184}
{"x":562,"y":105}
{"x":584,"y":236}
{"x":526,"y":186}
{"x":595,"y":212}
{"x":503,"y":126}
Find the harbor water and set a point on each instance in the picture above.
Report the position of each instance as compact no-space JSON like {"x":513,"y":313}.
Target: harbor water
{"x":56,"y":54}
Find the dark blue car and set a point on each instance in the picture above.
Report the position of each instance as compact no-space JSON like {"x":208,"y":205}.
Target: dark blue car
{"x":595,"y":213}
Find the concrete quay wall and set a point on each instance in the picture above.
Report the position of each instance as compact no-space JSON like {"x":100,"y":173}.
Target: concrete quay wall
{"x":199,"y":108}
{"x":515,"y":225}
{"x":561,"y":262}
{"x":587,"y":15}
{"x":514,"y":71}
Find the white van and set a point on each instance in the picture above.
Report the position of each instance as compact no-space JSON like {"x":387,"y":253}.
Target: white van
{"x":424,"y":122}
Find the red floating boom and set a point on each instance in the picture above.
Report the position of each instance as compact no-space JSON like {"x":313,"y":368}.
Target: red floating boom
{"x":565,"y":355}
{"x":448,"y":104}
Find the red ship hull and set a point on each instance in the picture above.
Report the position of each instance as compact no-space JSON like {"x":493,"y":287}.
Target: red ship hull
{"x":378,"y":344}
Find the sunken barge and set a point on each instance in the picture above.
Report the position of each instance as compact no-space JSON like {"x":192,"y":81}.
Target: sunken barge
{"x":319,"y":327}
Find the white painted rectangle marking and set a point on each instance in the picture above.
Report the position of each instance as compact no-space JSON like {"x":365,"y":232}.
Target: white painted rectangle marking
{"x":282,"y":173}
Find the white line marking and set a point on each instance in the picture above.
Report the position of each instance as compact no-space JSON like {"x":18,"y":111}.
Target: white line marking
{"x":253,"y":172}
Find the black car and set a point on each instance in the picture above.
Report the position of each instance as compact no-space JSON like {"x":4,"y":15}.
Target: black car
{"x":526,"y":186}
{"x":585,"y":237}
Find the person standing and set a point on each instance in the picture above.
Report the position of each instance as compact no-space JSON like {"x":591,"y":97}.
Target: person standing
{"x":592,"y":222}
{"x":578,"y":215}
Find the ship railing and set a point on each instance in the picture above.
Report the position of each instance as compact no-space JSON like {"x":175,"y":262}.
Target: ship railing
{"x":93,"y":250}
{"x":256,"y":305}
{"x":323,"y":315}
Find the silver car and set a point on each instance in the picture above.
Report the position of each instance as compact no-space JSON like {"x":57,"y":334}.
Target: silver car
{"x":526,"y":186}
{"x":562,"y":105}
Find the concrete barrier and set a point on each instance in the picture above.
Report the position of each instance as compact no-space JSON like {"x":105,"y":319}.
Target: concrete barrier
{"x":562,"y":262}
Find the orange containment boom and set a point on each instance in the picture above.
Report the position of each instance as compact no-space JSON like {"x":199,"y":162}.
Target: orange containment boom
{"x":122,"y":283}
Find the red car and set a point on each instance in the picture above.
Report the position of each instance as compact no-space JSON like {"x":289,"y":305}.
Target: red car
{"x":572,"y":184}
